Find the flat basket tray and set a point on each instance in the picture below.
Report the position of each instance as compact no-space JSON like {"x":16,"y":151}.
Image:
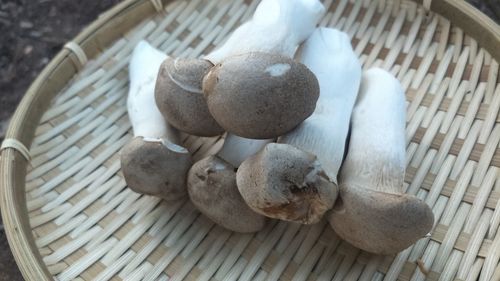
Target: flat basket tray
{"x":69,"y":215}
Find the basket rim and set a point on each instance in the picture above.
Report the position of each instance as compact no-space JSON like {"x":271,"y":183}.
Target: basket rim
{"x":27,"y":115}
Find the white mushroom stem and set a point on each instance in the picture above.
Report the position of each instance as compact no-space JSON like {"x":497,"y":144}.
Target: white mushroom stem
{"x":237,"y":149}
{"x":328,"y":54}
{"x":277,"y":26}
{"x":376,"y":157}
{"x":147,"y":121}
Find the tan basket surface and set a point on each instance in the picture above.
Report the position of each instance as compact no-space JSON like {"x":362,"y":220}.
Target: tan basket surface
{"x":69,"y":214}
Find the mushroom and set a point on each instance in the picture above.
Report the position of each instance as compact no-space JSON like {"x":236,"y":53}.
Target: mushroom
{"x":152,"y":163}
{"x":278,"y":27}
{"x":372,"y":211}
{"x":328,"y":54}
{"x":212,"y":189}
{"x":286,"y":183}
{"x":179,"y":96}
{"x":260,"y":95}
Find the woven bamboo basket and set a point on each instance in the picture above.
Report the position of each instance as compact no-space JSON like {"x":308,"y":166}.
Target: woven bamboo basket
{"x":69,"y":215}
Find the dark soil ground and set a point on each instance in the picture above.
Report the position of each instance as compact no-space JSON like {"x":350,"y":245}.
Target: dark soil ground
{"x":31,"y":33}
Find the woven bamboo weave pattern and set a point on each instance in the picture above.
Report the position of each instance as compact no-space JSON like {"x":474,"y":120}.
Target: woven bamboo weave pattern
{"x":89,"y":226}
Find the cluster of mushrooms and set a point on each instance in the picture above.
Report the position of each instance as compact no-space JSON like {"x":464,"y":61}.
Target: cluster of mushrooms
{"x":308,"y":133}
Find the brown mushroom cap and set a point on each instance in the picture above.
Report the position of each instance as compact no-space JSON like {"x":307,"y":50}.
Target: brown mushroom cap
{"x":179,"y":96}
{"x":260,"y":95}
{"x":286,"y":183}
{"x":212,"y":189}
{"x":379,"y":222}
{"x":155,"y":168}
